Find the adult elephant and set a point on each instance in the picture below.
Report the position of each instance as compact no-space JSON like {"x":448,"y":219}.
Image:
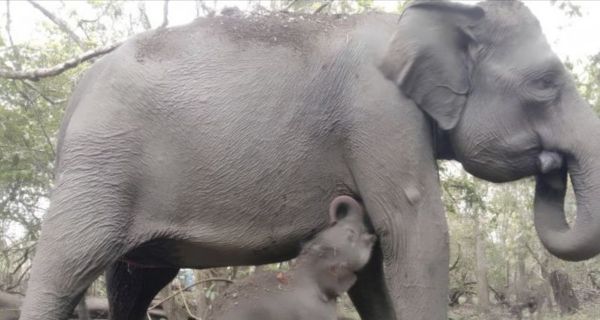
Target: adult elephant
{"x":222,"y":142}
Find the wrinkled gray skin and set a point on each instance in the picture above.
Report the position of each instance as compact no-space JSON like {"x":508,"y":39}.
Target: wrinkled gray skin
{"x":219,"y":143}
{"x":324,"y":270}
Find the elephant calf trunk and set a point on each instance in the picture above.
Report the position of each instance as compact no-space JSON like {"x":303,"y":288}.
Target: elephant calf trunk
{"x":549,"y":161}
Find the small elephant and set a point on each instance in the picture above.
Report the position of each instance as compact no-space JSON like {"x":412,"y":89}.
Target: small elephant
{"x":325,"y":269}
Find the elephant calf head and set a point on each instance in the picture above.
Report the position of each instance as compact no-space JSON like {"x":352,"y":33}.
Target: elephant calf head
{"x":334,"y":255}
{"x":324,"y":270}
{"x":488,"y":78}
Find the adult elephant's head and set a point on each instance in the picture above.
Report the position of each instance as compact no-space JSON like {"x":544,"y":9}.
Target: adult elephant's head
{"x":488,"y":78}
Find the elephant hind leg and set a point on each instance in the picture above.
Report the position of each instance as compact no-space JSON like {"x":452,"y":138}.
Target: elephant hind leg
{"x":131,"y":289}
{"x":81,"y":236}
{"x":62,"y":271}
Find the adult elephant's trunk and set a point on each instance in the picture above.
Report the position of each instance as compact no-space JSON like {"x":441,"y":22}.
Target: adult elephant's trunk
{"x":581,"y":240}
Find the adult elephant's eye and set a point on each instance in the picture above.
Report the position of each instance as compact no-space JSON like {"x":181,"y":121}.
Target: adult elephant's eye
{"x":545,"y":82}
{"x":543,"y":88}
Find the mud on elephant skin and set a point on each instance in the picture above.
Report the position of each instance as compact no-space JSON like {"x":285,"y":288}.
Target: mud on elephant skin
{"x":324,"y":270}
{"x":218,"y":143}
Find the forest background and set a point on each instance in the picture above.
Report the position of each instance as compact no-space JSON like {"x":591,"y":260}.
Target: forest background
{"x":498,"y":270}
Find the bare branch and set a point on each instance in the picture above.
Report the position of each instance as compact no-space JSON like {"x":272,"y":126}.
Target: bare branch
{"x":543,"y":264}
{"x":321,"y":7}
{"x":207,"y":11}
{"x":535,"y":257}
{"x":165,"y":14}
{"x":185,"y":304}
{"x":187,"y":287}
{"x":62,"y":25}
{"x":17,"y":55}
{"x":81,"y":22}
{"x":30,"y":105}
{"x":42,"y":95}
{"x":289,"y":6}
{"x":23,"y":259}
{"x":38,"y":74}
{"x":143,"y":16}
{"x":455,"y":264}
{"x":19,"y":280}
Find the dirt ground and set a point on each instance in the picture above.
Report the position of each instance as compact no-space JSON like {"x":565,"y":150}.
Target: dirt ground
{"x":590,"y":310}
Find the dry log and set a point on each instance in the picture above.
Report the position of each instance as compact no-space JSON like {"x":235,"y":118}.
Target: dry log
{"x":97,"y":306}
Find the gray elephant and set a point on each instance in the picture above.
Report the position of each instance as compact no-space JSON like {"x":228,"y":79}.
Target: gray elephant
{"x":217,"y":143}
{"x":324,"y":270}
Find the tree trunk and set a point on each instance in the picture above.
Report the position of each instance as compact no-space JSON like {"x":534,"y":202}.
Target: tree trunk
{"x":593,"y":276}
{"x":563,"y":292}
{"x":201,"y":300}
{"x":507,"y":275}
{"x":546,"y":286}
{"x":521,"y":283}
{"x":96,"y":306}
{"x":483,"y":295}
{"x":82,"y":310}
{"x":540,"y":315}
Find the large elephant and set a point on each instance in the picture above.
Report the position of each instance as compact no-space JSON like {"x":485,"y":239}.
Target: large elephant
{"x":221,"y":143}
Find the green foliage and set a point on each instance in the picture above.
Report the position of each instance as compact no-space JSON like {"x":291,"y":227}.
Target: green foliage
{"x":570,"y":8}
{"x":589,"y":81}
{"x":30,"y":115}
{"x":365,"y":4}
{"x":402,"y":5}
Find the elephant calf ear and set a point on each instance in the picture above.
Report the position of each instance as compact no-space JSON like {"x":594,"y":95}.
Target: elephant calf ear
{"x":428,"y":58}
{"x":343,"y":207}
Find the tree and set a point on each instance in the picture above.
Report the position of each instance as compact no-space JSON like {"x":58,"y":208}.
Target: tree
{"x":464,"y":196}
{"x":563,"y":292}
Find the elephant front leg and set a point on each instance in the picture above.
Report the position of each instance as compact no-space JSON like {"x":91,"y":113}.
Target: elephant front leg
{"x":397,"y":289}
{"x":407,"y":279}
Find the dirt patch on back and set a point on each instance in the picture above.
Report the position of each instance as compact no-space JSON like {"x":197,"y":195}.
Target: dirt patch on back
{"x":298,"y":31}
{"x":288,"y":29}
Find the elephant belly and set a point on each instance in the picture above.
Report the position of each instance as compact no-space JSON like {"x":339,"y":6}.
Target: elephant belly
{"x":199,"y":255}
{"x":242,"y":241}
{"x":252,"y":222}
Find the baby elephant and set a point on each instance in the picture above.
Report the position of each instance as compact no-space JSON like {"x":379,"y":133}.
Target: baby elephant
{"x":323,"y":271}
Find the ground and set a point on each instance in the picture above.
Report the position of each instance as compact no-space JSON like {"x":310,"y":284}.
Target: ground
{"x":590,"y":310}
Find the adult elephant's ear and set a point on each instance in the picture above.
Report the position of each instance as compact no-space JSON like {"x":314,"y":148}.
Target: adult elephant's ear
{"x":429,"y":60}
